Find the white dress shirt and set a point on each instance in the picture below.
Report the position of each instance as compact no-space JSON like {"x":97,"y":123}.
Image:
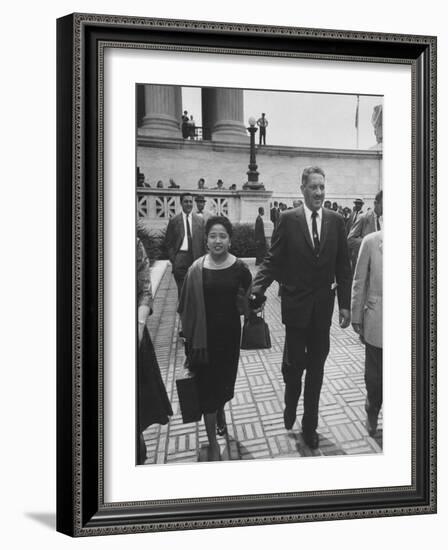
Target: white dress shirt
{"x":184,"y":246}
{"x":309,"y":221}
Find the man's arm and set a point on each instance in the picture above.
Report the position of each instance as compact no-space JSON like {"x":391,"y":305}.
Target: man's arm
{"x":359,"y":287}
{"x":343,"y":271}
{"x":170,"y":240}
{"x":202,"y":233}
{"x":269,"y":269}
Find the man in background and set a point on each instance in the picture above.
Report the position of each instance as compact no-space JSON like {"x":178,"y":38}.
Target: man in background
{"x":275,"y":214}
{"x":356,"y":212}
{"x":262,"y":123}
{"x":260,"y":237}
{"x":364,"y":225}
{"x":184,"y":239}
{"x":200,"y":208}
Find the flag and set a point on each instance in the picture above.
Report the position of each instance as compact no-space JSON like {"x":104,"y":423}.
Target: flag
{"x":357,"y":112}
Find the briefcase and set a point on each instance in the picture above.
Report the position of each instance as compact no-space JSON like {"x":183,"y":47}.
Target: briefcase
{"x":255,"y":333}
{"x":187,"y":392}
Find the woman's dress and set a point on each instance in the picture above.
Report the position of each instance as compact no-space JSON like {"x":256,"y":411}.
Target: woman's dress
{"x":216,"y":380}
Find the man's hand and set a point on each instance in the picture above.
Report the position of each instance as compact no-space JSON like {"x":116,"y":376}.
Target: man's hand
{"x":359,"y":329}
{"x":344,"y":318}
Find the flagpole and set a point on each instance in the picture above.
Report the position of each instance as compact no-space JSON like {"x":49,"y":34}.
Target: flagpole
{"x":357,"y":122}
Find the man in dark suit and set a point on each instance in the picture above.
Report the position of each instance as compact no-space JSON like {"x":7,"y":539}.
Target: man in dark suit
{"x":275,"y":214}
{"x":365,"y":224}
{"x":260,"y":237}
{"x":309,"y":258}
{"x":184,"y":239}
{"x":356,"y":212}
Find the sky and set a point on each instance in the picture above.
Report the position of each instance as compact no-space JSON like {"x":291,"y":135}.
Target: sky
{"x":303,"y":119}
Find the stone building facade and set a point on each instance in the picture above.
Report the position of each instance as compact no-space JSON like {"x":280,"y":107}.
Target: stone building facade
{"x":221,"y":151}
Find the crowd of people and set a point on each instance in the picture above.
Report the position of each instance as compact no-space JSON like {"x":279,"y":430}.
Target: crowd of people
{"x":219,"y":186}
{"x":349,"y":214}
{"x":317,"y":256}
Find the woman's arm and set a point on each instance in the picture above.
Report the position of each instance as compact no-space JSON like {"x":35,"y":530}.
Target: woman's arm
{"x":144,"y":291}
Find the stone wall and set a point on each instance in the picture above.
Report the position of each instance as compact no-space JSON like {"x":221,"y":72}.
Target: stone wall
{"x":350,"y":173}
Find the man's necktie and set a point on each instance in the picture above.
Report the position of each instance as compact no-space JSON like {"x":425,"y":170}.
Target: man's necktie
{"x":190,"y":241}
{"x":315,"y":233}
{"x":378,"y":224}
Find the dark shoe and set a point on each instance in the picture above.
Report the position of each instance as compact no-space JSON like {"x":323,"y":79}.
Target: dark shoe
{"x":311,"y":439}
{"x":289,"y":419}
{"x":371,"y":423}
{"x":221,"y":430}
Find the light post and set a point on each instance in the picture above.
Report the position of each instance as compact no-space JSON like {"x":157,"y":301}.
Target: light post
{"x":252,"y":174}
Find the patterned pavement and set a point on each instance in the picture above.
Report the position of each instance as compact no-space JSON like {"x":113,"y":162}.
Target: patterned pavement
{"x":255,"y":415}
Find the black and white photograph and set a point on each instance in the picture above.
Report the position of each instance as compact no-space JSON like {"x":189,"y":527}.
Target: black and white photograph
{"x":259,"y":274}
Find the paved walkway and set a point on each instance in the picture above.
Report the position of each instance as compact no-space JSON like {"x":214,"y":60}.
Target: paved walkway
{"x":255,"y":415}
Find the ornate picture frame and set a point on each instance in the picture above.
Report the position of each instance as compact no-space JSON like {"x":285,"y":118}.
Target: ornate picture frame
{"x":81,"y":506}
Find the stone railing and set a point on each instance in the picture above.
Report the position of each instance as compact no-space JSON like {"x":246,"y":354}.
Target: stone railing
{"x":159,"y":205}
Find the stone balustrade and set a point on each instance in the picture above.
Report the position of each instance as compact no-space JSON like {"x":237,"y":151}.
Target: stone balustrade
{"x":160,"y":204}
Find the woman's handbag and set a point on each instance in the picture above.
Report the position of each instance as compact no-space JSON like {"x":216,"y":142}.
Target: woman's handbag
{"x":255,"y":333}
{"x":187,"y":392}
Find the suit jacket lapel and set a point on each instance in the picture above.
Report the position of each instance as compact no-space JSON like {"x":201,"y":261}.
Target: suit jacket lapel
{"x":181,"y":233}
{"x":323,"y":230}
{"x":194,"y":224}
{"x":304,"y":226}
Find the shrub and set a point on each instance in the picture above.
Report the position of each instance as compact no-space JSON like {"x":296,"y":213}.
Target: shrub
{"x":152,"y":239}
{"x":243,"y":240}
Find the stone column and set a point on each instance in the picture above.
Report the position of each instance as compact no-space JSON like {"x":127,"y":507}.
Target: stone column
{"x":163,"y":105}
{"x":223,"y":114}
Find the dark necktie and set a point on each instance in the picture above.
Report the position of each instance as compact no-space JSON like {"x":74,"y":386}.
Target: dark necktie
{"x":378,"y":225}
{"x":315,"y":233}
{"x":190,"y":243}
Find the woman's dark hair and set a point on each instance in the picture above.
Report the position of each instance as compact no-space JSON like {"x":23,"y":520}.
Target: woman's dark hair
{"x":221,"y":220}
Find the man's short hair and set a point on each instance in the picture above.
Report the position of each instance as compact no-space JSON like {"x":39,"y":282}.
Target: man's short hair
{"x":311,"y":170}
{"x":379,"y":196}
{"x":183,"y":195}
{"x":260,"y":209}
{"x":199,"y":198}
{"x":275,"y":203}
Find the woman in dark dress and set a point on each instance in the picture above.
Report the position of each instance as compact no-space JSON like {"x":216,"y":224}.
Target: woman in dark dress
{"x":153,"y":406}
{"x":210,"y":307}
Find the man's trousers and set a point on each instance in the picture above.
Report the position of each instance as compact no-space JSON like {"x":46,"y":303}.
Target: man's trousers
{"x":307,"y":349}
{"x":373,"y":376}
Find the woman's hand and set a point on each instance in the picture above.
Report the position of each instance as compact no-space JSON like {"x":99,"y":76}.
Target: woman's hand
{"x":256,"y":302}
{"x":141,"y":328}
{"x":144,"y":311}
